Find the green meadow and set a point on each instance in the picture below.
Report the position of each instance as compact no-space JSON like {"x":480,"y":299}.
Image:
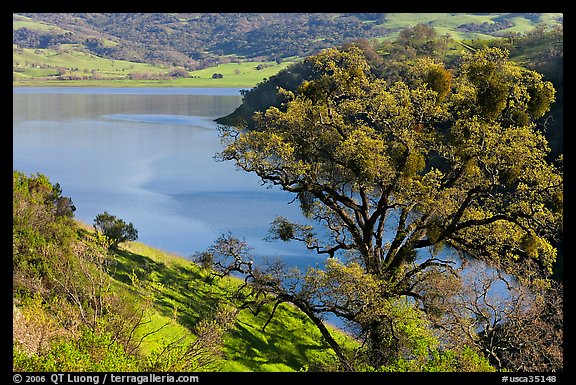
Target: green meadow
{"x":447,"y":23}
{"x":42,"y":67}
{"x":184,"y":292}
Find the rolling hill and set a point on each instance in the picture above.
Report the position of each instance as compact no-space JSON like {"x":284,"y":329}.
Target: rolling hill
{"x":199,"y":40}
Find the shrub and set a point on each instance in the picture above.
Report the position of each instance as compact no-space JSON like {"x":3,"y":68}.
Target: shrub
{"x":114,"y":230}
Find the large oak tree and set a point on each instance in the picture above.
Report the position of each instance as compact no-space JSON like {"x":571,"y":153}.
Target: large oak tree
{"x":398,"y":173}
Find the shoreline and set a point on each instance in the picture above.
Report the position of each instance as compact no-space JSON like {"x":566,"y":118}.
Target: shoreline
{"x":130,"y":84}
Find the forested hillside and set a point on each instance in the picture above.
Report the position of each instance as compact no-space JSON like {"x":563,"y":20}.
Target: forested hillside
{"x":197,"y":40}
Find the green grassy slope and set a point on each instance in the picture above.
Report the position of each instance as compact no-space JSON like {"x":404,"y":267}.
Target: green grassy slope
{"x":80,"y":306}
{"x":182,"y":288}
{"x":21,"y":21}
{"x":448,"y":23}
{"x":40,"y":67}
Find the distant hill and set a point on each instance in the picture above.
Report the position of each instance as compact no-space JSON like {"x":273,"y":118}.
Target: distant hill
{"x":199,"y":40}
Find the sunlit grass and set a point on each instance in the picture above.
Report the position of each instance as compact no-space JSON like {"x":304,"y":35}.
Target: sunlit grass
{"x":184,"y":294}
{"x":39,"y":67}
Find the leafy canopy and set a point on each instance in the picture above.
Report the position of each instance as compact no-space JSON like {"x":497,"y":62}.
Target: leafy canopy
{"x":114,"y":230}
{"x":396,"y":171}
{"x":448,"y":167}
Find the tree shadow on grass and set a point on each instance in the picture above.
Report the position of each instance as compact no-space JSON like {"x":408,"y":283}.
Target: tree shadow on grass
{"x":175,"y":287}
{"x":185,"y":292}
{"x":253,"y":348}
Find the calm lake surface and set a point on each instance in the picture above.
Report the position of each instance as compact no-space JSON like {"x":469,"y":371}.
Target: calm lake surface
{"x":147,"y":156}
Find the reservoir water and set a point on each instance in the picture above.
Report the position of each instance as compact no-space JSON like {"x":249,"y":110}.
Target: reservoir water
{"x":147,"y":156}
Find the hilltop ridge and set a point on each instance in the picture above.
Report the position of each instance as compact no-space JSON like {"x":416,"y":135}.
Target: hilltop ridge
{"x":200,"y":40}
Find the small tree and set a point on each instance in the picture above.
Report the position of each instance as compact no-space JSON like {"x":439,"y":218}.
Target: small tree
{"x":114,"y":230}
{"x":178,"y":72}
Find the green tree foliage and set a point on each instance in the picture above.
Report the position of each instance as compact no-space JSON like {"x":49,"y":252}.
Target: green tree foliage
{"x":114,"y":230}
{"x":92,"y":352}
{"x":397,"y":171}
{"x":41,"y":226}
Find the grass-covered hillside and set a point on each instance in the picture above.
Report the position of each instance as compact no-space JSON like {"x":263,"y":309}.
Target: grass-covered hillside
{"x":78,"y":306}
{"x":475,"y":26}
{"x":201,"y":39}
{"x":68,"y":66}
